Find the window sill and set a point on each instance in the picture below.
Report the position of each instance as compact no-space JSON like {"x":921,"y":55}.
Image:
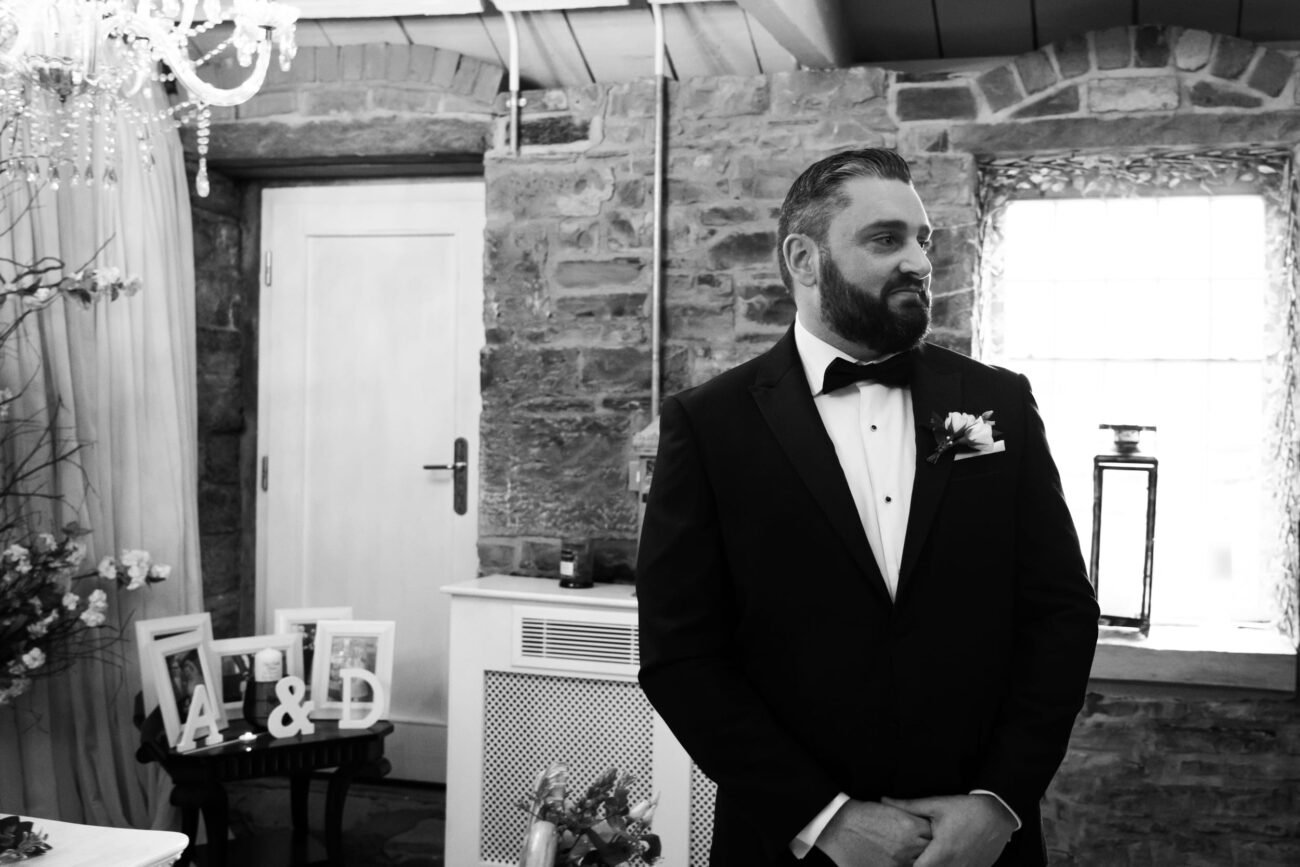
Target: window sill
{"x":1207,"y":656}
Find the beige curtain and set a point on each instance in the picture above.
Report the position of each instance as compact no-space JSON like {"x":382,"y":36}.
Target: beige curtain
{"x":122,"y":375}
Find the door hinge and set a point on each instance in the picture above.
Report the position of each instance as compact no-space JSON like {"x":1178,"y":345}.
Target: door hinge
{"x":266,"y":471}
{"x":267,"y":269}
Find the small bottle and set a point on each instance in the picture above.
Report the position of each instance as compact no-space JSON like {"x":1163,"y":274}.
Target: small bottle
{"x":570,"y":574}
{"x":259,"y":694}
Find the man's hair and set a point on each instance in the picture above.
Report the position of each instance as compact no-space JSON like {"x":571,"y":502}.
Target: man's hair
{"x":817,"y":194}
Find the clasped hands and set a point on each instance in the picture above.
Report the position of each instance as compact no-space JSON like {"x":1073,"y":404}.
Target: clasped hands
{"x":947,"y":831}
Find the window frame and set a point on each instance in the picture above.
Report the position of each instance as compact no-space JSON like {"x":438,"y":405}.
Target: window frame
{"x":1256,"y":658}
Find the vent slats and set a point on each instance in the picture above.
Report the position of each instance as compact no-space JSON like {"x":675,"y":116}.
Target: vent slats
{"x":554,"y":638}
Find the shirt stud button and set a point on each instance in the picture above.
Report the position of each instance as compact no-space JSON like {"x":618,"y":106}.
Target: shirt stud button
{"x":873,"y":427}
{"x":889,"y":499}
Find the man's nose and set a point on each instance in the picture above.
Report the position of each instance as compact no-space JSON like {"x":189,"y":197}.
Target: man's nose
{"x":917,"y":261}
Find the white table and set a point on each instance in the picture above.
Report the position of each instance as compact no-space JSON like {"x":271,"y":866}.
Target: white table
{"x":93,"y":846}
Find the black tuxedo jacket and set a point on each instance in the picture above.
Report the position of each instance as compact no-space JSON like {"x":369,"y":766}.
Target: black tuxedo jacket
{"x":769,"y":642}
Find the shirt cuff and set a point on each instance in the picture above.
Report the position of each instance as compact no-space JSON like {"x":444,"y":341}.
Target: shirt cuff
{"x":802,"y":844}
{"x":994,"y":795}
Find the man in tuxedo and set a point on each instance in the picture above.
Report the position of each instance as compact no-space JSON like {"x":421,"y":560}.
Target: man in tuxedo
{"x":863,"y":607}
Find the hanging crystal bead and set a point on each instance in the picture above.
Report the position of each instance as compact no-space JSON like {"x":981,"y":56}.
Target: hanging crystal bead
{"x":201,"y":180}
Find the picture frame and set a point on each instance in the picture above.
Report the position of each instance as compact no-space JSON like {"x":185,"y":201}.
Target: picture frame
{"x":154,"y":629}
{"x":304,"y":620}
{"x":179,"y":664}
{"x":233,"y":663}
{"x":342,"y":644}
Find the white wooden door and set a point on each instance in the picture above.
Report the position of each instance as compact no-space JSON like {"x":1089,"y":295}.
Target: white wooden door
{"x":370,"y":331}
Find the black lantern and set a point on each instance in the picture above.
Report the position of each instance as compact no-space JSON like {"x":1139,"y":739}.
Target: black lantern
{"x":1124,"y":528}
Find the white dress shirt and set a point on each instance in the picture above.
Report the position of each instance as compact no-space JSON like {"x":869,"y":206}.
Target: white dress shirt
{"x":872,"y":428}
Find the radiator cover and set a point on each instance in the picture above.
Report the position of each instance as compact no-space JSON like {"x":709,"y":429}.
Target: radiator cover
{"x":542,"y":674}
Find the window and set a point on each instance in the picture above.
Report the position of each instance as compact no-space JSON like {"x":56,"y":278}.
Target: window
{"x":1151,"y":310}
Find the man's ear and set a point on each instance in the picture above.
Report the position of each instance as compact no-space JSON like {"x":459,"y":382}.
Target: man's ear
{"x":802,"y":257}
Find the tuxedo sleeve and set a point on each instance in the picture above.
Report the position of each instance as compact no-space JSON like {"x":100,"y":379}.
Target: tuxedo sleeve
{"x":1055,"y":632}
{"x":689,"y":669}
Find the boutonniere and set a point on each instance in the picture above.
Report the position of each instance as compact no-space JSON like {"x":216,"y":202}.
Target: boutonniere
{"x":961,"y":429}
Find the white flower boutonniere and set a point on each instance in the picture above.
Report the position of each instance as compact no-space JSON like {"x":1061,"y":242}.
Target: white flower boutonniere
{"x":961,"y":429}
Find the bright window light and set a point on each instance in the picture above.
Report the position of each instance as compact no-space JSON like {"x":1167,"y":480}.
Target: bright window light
{"x":1151,"y":311}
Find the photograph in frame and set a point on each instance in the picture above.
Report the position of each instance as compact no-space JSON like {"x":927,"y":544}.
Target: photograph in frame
{"x":340,"y":644}
{"x":179,"y":664}
{"x":155,"y":629}
{"x":233,"y":664}
{"x":303,"y":621}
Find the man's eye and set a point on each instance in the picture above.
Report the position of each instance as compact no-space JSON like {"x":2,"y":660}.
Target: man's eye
{"x":885,"y":240}
{"x":927,"y":244}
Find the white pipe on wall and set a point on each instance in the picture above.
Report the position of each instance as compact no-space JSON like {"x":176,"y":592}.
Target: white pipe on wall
{"x":657,"y":266}
{"x":512,"y":34}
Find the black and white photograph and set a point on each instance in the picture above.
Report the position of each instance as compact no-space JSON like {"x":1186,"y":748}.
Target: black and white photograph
{"x":303,"y":622}
{"x":181,"y":664}
{"x":236,"y":664}
{"x":342,"y":644}
{"x":714,"y":433}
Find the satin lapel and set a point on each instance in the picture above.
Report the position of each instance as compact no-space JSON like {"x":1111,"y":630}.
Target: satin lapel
{"x":782,"y":395}
{"x":933,"y":391}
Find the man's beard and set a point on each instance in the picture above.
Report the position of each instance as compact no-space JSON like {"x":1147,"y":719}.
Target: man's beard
{"x":868,"y":320}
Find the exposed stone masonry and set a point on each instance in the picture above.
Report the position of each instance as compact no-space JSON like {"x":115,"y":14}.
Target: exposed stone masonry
{"x":219,"y":315}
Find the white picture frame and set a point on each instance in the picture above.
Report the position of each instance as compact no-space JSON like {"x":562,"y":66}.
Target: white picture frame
{"x":179,"y":664}
{"x":343,"y":644}
{"x":304,"y":620}
{"x":233,"y":662}
{"x":154,"y":629}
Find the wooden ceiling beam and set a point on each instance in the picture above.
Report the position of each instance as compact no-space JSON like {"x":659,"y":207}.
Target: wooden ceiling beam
{"x":811,"y":30}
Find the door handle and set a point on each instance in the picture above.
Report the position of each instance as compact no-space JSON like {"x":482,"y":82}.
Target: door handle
{"x":459,"y":467}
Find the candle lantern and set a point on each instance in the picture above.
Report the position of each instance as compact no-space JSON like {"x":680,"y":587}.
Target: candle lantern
{"x":1124,"y":528}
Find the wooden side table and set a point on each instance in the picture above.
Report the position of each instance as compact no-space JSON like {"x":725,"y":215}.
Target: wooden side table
{"x":199,"y":777}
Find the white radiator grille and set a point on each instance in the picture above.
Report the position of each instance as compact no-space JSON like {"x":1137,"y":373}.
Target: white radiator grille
{"x":531,"y":720}
{"x":704,"y":792}
{"x":588,"y":641}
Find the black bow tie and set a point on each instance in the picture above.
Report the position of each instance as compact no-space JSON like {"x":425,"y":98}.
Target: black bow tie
{"x":895,"y":372}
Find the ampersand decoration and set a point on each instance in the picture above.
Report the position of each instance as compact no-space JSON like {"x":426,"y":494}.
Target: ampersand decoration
{"x":291,"y":691}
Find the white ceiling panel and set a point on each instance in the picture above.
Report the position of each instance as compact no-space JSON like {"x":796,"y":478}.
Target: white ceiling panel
{"x":384,"y":8}
{"x":1058,"y":19}
{"x":552,"y":5}
{"x":566,"y":45}
{"x":708,"y":39}
{"x":1218,"y":16}
{"x":969,"y":29}
{"x":618,"y":44}
{"x":772,"y":55}
{"x":466,"y":34}
{"x":310,"y":33}
{"x":548,"y":52}
{"x":360,"y":31}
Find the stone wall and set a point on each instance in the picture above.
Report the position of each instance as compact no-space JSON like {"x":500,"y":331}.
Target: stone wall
{"x":1172,"y":777}
{"x":566,"y":375}
{"x":219,"y":315}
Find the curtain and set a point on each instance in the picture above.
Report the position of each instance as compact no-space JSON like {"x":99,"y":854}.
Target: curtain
{"x":120,"y":375}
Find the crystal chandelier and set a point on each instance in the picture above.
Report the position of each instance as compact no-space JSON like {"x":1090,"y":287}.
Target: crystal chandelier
{"x":74,"y":72}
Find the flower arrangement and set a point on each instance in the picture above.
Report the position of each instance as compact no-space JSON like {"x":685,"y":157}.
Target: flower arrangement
{"x":45,"y":625}
{"x":18,"y":841}
{"x":598,"y":829}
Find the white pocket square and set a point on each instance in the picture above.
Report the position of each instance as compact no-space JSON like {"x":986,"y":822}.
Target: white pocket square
{"x":999,"y":446}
